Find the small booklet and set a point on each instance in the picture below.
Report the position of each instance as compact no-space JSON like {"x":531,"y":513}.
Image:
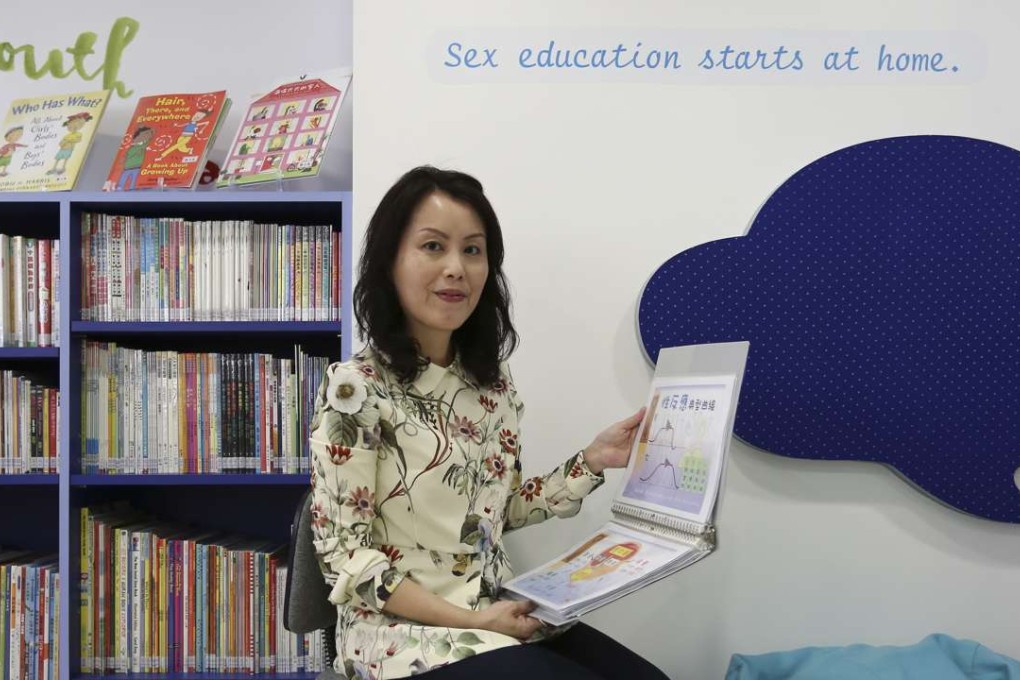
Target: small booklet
{"x":663,"y":515}
{"x":284,"y":132}
{"x":167,"y":141}
{"x":46,"y":140}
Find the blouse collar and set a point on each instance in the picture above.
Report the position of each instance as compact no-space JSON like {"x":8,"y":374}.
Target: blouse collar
{"x":429,"y":378}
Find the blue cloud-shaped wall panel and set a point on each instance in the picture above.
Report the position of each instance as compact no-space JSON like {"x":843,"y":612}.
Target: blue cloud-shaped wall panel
{"x":880,"y":290}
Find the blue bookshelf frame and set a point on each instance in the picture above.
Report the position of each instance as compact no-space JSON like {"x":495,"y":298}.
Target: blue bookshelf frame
{"x":195,"y":676}
{"x":209,"y":479}
{"x":30,"y":480}
{"x":105,"y":328}
{"x":29,"y":353}
{"x":57,"y":215}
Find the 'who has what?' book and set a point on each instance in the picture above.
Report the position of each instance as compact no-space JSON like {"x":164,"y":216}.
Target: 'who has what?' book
{"x":663,"y":516}
{"x":46,"y":140}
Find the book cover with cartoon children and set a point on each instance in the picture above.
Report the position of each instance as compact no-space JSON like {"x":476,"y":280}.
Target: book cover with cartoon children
{"x":283,"y":133}
{"x":46,"y":140}
{"x":167,"y":141}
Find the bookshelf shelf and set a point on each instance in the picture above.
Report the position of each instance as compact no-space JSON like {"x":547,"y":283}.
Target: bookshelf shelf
{"x":30,"y":480}
{"x":29,"y":353}
{"x":191,"y":480}
{"x":296,"y":328}
{"x":42,"y":511}
{"x":195,"y":676}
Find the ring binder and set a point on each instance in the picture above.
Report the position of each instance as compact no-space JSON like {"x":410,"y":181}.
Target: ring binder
{"x":660,"y":525}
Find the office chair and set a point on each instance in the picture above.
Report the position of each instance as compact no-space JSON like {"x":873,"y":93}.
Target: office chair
{"x":306,"y":607}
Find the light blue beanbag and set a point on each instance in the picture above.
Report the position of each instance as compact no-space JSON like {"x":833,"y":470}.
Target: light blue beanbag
{"x":936,"y":657}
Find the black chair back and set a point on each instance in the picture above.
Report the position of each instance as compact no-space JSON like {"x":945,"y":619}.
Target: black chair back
{"x":306,"y":605}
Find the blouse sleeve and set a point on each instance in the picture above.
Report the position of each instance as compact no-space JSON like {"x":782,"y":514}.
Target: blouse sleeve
{"x":344,"y":463}
{"x":559,"y":493}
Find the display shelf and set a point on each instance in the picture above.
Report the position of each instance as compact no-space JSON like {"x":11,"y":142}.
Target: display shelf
{"x":33,"y":479}
{"x":207,"y":479}
{"x":296,"y":328}
{"x":195,"y":676}
{"x":29,"y":353}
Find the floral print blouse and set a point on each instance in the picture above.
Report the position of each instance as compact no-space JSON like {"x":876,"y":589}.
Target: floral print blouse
{"x":420,"y":481}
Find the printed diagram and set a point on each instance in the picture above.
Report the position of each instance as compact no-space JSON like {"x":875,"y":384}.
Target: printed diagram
{"x":607,"y":561}
{"x":597,"y":566}
{"x":678,"y":447}
{"x":687,"y":470}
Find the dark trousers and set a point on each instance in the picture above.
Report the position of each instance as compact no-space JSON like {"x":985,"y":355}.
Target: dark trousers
{"x":582,"y":653}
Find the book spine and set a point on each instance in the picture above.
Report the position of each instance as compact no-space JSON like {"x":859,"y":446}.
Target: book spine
{"x":134,"y":620}
{"x":101,"y":602}
{"x":174,"y":413}
{"x":248,"y":413}
{"x":34,"y":397}
{"x":45,"y":286}
{"x":189,"y":271}
{"x":30,"y":621}
{"x":314,"y":277}
{"x":337,"y":274}
{"x":187,"y":650}
{"x":164,"y":605}
{"x":16,"y":632}
{"x":45,"y":623}
{"x":116,"y":264}
{"x":305,"y":267}
{"x":88,"y":258}
{"x":198,"y":665}
{"x":85,"y":608}
{"x":148,"y":600}
{"x":259,"y":412}
{"x":5,"y":293}
{"x":18,"y":291}
{"x":121,"y":605}
{"x":31,"y":293}
{"x":55,"y":293}
{"x":247,"y":262}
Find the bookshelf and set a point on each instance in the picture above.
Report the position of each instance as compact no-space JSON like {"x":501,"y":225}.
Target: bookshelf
{"x":45,"y":508}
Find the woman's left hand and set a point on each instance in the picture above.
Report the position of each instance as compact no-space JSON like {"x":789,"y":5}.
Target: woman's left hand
{"x":611,"y":448}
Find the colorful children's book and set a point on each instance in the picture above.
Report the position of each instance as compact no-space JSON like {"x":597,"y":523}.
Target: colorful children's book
{"x":283,"y":133}
{"x":46,"y":140}
{"x":167,"y":141}
{"x":663,"y":516}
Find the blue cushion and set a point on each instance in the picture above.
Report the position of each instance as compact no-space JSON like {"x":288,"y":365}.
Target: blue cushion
{"x":936,"y":657}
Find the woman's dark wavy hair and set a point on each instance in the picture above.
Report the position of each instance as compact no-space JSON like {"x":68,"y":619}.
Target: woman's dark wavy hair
{"x":487,"y":337}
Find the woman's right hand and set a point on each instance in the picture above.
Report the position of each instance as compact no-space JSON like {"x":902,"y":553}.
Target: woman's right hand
{"x":509,"y":617}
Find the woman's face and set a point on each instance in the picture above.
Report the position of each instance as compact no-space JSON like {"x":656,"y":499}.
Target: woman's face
{"x":440,"y":270}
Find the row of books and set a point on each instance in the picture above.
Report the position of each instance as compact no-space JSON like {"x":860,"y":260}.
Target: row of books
{"x":171,"y":269}
{"x":283,"y":134}
{"x":163,"y":598}
{"x":211,"y":412}
{"x":29,"y":283}
{"x":29,"y":426}
{"x":29,"y":616}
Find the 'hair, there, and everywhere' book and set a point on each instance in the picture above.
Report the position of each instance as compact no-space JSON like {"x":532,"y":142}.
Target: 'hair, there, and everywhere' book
{"x":167,"y":141}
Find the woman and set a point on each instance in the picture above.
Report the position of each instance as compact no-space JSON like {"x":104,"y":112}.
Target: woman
{"x":416,"y":458}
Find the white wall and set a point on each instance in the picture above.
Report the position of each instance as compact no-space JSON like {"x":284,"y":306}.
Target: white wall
{"x":597,"y":183}
{"x":190,"y":46}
